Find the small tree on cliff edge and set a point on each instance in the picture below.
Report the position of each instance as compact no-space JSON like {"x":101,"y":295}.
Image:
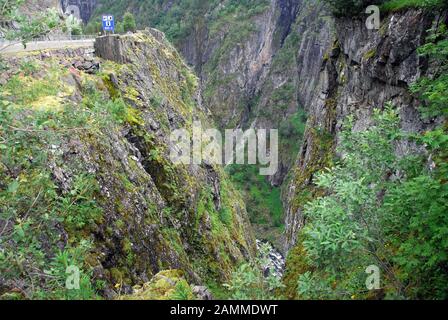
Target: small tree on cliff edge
{"x":16,"y":26}
{"x":129,"y":22}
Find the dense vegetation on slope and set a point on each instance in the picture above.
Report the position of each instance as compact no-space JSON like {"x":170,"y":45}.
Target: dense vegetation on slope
{"x":375,"y":207}
{"x":33,"y":208}
{"x":75,"y":190}
{"x":356,"y":7}
{"x":263,"y":202}
{"x":382,"y":210}
{"x":179,"y":18}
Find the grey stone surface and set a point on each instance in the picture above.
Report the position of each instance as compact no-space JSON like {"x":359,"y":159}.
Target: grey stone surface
{"x":365,"y":70}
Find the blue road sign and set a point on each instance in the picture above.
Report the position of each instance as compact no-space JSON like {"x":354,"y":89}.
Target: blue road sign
{"x":108,"y":23}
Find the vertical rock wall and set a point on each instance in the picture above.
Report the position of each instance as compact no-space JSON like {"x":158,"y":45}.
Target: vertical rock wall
{"x":363,"y":70}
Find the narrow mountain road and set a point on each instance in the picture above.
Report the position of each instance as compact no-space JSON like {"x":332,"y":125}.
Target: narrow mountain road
{"x":6,"y":48}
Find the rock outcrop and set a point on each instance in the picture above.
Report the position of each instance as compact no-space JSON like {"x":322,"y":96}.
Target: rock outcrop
{"x":187,"y":200}
{"x":289,"y":86}
{"x":155,"y":215}
{"x":234,"y":54}
{"x":85,"y":7}
{"x":362,"y":70}
{"x":166,"y":285}
{"x":297,"y":57}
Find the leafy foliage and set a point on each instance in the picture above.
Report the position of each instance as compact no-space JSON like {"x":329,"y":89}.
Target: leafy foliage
{"x":16,"y":26}
{"x":381,"y":209}
{"x":394,"y":5}
{"x":350,"y":7}
{"x":356,"y":7}
{"x":34,"y":210}
{"x":250,"y":281}
{"x":433,"y":90}
{"x":182,"y":291}
{"x":263,"y":201}
{"x":129,"y":22}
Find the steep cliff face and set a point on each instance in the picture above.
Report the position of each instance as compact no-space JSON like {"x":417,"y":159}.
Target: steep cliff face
{"x":85,"y":7}
{"x":362,"y":70}
{"x":232,"y":46}
{"x":151,"y":214}
{"x":245,"y":55}
{"x":209,"y":223}
{"x":285,"y":95}
{"x":236,"y":60}
{"x":256,"y":62}
{"x":31,"y":6}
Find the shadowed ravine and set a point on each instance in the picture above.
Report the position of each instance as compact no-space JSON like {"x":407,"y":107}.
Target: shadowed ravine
{"x":92,"y":126}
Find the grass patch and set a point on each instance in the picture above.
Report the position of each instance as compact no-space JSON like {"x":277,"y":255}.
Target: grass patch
{"x":397,"y":5}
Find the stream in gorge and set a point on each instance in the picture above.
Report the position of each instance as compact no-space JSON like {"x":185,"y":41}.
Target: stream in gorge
{"x":275,"y":260}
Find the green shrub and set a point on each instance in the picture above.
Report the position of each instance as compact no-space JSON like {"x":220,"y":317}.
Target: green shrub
{"x":182,"y":291}
{"x":250,"y":282}
{"x":263,"y":201}
{"x":382,"y":210}
{"x":357,"y":7}
{"x":17,"y":26}
{"x":225,"y":215}
{"x":32,"y":211}
{"x":395,"y":5}
{"x":432,"y":91}
{"x":129,"y":24}
{"x":350,"y":7}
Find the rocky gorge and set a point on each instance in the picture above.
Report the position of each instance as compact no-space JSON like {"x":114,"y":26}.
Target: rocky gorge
{"x":298,"y":58}
{"x":291,"y":65}
{"x":147,"y":224}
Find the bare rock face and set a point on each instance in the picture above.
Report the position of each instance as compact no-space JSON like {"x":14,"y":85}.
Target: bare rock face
{"x":266,"y":77}
{"x":86,"y":7}
{"x":362,"y":70}
{"x":291,"y":80}
{"x":233,"y":63}
{"x":152,"y":78}
{"x":202,"y":293}
{"x":110,"y":48}
{"x":88,"y":65}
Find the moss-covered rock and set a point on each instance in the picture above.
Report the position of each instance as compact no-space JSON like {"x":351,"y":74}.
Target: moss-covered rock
{"x":166,"y":285}
{"x":152,"y":215}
